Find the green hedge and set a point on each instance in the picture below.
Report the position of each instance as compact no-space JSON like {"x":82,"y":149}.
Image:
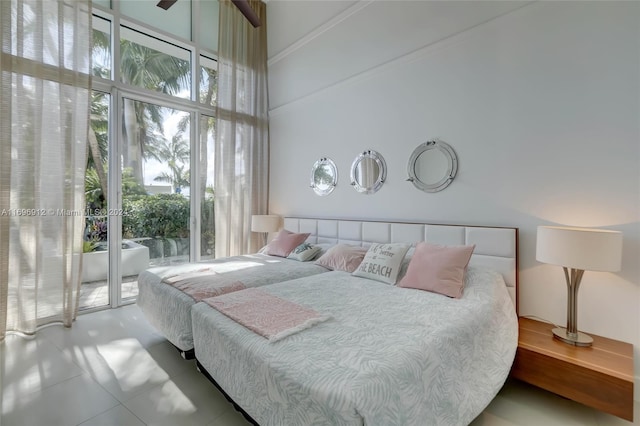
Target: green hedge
{"x":163,"y":218}
{"x":156,"y":216}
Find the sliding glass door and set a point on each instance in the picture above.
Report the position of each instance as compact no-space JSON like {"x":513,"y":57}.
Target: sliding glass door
{"x":152,"y":208}
{"x":153,"y":126}
{"x":94,"y":291}
{"x":156,"y":189}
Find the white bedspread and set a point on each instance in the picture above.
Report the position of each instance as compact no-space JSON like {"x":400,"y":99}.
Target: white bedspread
{"x":169,"y":310}
{"x":388,"y":356}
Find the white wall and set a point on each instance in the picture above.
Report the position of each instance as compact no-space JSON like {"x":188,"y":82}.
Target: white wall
{"x":540,"y":102}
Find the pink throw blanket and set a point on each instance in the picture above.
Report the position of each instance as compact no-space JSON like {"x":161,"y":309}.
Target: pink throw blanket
{"x":202,"y":284}
{"x":265,"y":314}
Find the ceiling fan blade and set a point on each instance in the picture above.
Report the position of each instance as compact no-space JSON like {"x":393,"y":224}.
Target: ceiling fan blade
{"x":166,"y":4}
{"x":242,"y":5}
{"x":248,"y":12}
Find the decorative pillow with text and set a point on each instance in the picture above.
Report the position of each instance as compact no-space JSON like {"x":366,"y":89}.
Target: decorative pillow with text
{"x":382,"y":262}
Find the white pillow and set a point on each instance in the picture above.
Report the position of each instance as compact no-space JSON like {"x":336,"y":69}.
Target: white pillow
{"x":382,"y":262}
{"x":304,"y":252}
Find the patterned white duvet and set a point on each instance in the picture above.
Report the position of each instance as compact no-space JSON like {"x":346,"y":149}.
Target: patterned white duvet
{"x":169,"y":309}
{"x":389,"y":355}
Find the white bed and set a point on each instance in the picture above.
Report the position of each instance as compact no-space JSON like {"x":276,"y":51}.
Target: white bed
{"x":387,"y":355}
{"x":168,"y":309}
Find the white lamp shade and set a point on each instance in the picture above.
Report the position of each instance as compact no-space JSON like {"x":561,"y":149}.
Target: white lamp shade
{"x":265,"y":223}
{"x":580,"y":248}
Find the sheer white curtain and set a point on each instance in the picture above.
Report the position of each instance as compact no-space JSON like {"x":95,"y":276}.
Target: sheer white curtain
{"x":44,"y":117}
{"x":242,"y":134}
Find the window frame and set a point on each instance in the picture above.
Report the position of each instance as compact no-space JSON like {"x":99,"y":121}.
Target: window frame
{"x":118,"y":90}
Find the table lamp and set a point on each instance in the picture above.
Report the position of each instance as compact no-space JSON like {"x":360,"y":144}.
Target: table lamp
{"x":578,"y":250}
{"x":265,"y":223}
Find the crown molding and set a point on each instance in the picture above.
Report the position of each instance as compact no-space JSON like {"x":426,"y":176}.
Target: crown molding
{"x":417,"y":54}
{"x":351,"y":10}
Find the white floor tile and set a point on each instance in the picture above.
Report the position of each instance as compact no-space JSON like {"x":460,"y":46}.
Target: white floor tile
{"x":125,"y":368}
{"x":104,"y":327}
{"x":525,"y":405}
{"x":488,"y":419}
{"x":230,"y":418}
{"x":31,"y":365}
{"x":117,"y":416}
{"x":188,"y":399}
{"x":168,"y":357}
{"x":68,"y":403}
{"x":604,"y":419}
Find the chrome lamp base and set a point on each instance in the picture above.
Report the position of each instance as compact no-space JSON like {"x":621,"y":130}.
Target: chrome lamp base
{"x":571,"y":335}
{"x":576,"y":339}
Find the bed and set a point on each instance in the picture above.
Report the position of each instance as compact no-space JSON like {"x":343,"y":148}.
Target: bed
{"x":386,"y":355}
{"x":168,"y":308}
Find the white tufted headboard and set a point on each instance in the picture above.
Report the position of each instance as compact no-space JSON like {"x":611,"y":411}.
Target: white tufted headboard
{"x":496,"y":247}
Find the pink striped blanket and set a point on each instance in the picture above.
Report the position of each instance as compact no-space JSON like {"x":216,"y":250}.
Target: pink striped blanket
{"x":267,"y":315}
{"x":203,"y":283}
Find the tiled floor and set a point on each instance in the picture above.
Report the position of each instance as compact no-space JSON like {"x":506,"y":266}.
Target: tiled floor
{"x":112,"y":368}
{"x":96,"y":293}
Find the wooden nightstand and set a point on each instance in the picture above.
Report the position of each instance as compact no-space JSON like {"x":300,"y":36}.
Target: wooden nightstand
{"x":600,"y":376}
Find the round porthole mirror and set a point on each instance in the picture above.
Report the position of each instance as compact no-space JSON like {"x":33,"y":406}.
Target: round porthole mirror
{"x":432,"y":166}
{"x":368,"y":172}
{"x":324,"y":176}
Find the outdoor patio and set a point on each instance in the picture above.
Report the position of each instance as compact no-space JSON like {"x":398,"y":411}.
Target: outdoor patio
{"x":96,"y":293}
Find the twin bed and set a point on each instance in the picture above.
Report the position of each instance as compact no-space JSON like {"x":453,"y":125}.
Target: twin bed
{"x":381,"y":355}
{"x":167,"y":306}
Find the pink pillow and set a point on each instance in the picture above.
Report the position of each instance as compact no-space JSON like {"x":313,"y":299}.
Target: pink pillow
{"x":342,"y":257}
{"x":284,"y":243}
{"x":438,"y":269}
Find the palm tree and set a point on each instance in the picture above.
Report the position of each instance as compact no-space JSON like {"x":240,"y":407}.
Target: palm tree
{"x":210,"y":76}
{"x":178,"y":178}
{"x":98,"y":139}
{"x":148,"y":68}
{"x":174,"y":154}
{"x":207,"y":95}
